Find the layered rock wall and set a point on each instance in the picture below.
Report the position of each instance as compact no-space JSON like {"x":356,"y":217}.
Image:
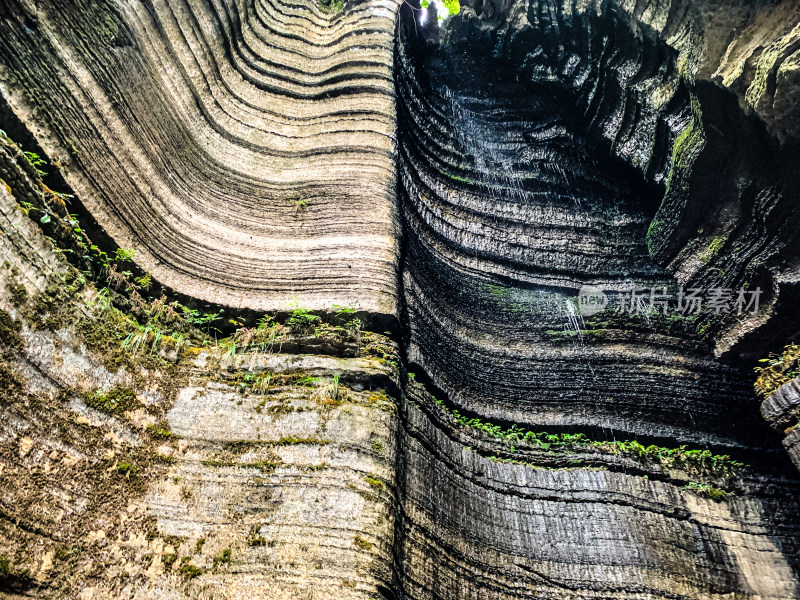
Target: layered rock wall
{"x":459,"y":183}
{"x":214,"y":139}
{"x":541,"y":150}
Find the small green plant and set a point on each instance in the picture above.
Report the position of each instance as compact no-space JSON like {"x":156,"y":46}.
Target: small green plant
{"x":190,"y":571}
{"x":145,"y":281}
{"x":124,"y":254}
{"x":145,"y":338}
{"x":264,"y":323}
{"x":331,"y":5}
{"x":223,"y":558}
{"x":161,"y":431}
{"x":453,"y":7}
{"x":27,"y":207}
{"x":374,"y":482}
{"x":299,"y":203}
{"x":694,"y":460}
{"x":713,"y":249}
{"x":36,"y":161}
{"x":354,"y":327}
{"x":199,"y":319}
{"x":342,"y":314}
{"x":230,"y":350}
{"x":302,"y":320}
{"x":335,"y":387}
{"x":126,"y":468}
{"x":103,"y":301}
{"x":777,"y":369}
{"x":261,"y":386}
{"x":716,"y":245}
{"x":362,"y":543}
{"x":169,"y":560}
{"x":715,"y":494}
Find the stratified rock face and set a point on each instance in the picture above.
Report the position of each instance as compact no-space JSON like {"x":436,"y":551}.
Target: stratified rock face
{"x":300,"y":491}
{"x":781,"y":409}
{"x":244,"y":148}
{"x":266,"y":475}
{"x":479,"y":527}
{"x":512,"y":204}
{"x":753,"y":48}
{"x":535,"y":145}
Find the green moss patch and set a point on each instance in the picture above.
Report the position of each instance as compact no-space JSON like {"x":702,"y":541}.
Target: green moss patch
{"x":9,"y":331}
{"x":115,"y":401}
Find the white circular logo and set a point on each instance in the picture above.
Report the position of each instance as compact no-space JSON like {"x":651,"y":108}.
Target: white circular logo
{"x":591,"y":300}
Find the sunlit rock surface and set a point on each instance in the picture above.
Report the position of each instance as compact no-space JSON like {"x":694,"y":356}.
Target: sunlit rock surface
{"x":245,"y":149}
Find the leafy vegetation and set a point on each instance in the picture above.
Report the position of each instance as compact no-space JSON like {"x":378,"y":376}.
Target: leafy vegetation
{"x":326,"y":6}
{"x":713,"y":248}
{"x":451,"y":6}
{"x":126,"y":468}
{"x":334,"y":387}
{"x":223,"y":558}
{"x":693,"y":460}
{"x":162,"y":431}
{"x":302,"y":320}
{"x":705,"y":489}
{"x":125,"y":254}
{"x":374,"y":482}
{"x":777,"y":369}
{"x":36,"y":161}
{"x":133,"y":323}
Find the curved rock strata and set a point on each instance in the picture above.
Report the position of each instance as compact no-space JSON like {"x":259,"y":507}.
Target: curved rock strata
{"x":201,"y":484}
{"x":244,"y":149}
{"x":510,"y":209}
{"x":541,"y":147}
{"x":476,"y":526}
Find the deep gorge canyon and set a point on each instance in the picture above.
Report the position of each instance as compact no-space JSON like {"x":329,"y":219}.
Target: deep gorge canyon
{"x":295,"y":299}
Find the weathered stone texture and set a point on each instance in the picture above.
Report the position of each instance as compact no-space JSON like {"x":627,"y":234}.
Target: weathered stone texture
{"x":245,"y":149}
